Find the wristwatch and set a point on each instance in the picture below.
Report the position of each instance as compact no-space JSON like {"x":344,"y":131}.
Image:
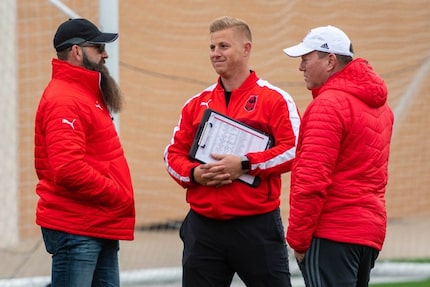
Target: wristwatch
{"x":246,"y":165}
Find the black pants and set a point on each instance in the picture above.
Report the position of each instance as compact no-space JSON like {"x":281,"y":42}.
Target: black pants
{"x":328,"y":263}
{"x":254,"y":247}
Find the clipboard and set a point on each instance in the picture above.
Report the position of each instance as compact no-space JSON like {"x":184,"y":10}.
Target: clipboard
{"x":218,"y":133}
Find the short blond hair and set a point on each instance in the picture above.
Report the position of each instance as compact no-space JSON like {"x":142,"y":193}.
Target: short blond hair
{"x":226,"y":22}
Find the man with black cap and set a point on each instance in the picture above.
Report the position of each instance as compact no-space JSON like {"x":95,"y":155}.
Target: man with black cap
{"x":338,"y":219}
{"x":86,"y":202}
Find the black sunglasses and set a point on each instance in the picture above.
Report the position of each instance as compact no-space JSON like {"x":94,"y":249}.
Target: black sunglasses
{"x":100,"y":47}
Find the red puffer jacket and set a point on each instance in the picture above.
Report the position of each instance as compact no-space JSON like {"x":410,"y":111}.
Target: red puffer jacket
{"x":84,"y":183}
{"x":339,"y":177}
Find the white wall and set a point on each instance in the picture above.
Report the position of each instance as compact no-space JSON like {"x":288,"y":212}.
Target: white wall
{"x":8,"y":126}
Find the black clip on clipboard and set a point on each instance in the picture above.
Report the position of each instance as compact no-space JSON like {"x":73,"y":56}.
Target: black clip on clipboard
{"x":218,"y":133}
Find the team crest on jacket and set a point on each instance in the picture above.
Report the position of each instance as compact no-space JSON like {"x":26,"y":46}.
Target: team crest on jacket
{"x":250,"y":104}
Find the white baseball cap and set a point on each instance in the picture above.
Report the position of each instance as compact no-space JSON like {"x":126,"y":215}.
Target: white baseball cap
{"x":325,"y":39}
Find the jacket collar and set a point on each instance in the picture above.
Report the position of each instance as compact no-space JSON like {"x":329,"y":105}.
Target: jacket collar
{"x":88,"y":80}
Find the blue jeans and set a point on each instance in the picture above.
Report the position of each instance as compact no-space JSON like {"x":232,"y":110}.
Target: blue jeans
{"x":80,"y":261}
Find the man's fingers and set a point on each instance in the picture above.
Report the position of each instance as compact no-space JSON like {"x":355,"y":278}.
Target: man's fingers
{"x":218,"y":183}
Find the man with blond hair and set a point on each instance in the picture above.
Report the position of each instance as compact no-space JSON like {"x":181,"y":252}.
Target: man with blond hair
{"x":233,"y":227}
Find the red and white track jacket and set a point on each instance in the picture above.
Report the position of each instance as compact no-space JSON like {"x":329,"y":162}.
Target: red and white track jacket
{"x":255,"y":103}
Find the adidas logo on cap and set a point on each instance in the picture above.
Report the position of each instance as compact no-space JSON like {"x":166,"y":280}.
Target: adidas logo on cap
{"x":325,"y":46}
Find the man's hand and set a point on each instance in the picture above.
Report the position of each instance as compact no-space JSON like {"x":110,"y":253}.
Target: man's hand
{"x":226,"y":169}
{"x":299,"y":256}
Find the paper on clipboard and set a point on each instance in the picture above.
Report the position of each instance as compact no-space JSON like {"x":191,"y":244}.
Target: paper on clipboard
{"x":220,"y":134}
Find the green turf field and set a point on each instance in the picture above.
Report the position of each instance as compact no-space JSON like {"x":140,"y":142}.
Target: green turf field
{"x":425,"y":283}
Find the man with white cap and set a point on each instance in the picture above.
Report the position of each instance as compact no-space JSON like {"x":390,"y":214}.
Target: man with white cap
{"x":337,"y":220}
{"x":86,"y":202}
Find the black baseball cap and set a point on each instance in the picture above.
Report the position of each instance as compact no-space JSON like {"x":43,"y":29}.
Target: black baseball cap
{"x":77,"y":31}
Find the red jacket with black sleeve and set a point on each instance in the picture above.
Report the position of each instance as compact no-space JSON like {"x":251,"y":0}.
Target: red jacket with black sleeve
{"x":259,"y":105}
{"x":84,"y":183}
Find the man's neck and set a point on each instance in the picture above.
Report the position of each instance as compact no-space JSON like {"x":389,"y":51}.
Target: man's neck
{"x":235,"y":82}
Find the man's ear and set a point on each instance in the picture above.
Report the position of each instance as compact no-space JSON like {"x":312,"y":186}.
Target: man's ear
{"x":331,"y":62}
{"x":247,"y":48}
{"x":75,"y":56}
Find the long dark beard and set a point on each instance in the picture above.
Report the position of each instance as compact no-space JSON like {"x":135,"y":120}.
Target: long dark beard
{"x":110,"y":89}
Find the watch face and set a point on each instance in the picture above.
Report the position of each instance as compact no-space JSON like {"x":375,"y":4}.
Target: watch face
{"x":246,"y":165}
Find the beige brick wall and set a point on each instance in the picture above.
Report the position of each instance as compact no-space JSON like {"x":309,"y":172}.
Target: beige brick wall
{"x":164,"y":60}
